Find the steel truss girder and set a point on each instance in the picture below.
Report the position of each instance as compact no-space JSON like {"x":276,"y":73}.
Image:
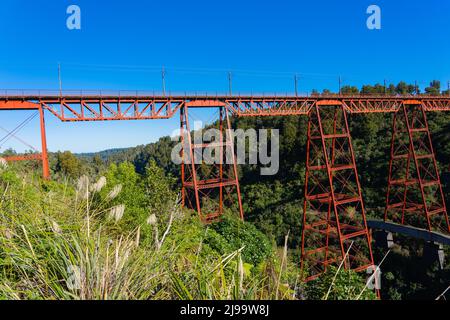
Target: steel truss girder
{"x":207,"y":186}
{"x":414,"y":195}
{"x":334,"y":220}
{"x":116,"y":107}
{"x":99,"y":109}
{"x":23,"y":157}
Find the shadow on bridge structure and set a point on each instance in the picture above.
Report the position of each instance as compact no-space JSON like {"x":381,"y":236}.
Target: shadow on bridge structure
{"x":434,"y":241}
{"x":335,"y":228}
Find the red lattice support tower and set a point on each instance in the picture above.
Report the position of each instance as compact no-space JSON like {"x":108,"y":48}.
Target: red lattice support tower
{"x":333,"y":212}
{"x":414,"y":196}
{"x":206,"y":187}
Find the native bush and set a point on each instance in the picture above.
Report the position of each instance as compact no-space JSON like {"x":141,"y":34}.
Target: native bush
{"x":240,"y":234}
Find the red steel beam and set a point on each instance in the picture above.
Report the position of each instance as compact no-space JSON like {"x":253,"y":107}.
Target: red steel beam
{"x":6,"y":104}
{"x":27,"y":157}
{"x":105,"y":108}
{"x":44,"y":155}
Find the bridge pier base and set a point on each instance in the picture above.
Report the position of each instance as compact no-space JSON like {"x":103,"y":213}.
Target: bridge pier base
{"x":383,"y":239}
{"x":434,"y":252}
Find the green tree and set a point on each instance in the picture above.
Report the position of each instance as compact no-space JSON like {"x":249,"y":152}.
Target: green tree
{"x":391,"y":89}
{"x":349,"y":90}
{"x":159,"y":190}
{"x":68,"y":164}
{"x":374,"y":89}
{"x":404,"y":88}
{"x":434,"y":88}
{"x":97,"y":162}
{"x":132,"y":194}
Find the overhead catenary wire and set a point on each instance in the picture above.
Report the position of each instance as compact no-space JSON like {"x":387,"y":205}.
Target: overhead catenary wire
{"x":346,"y":78}
{"x":328,"y":79}
{"x":19,"y":139}
{"x":157,"y":69}
{"x":20,"y":126}
{"x":202,"y":70}
{"x":17,"y":129}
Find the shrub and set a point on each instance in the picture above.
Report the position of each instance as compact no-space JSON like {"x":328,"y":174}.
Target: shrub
{"x":240,"y":234}
{"x":342,"y":285}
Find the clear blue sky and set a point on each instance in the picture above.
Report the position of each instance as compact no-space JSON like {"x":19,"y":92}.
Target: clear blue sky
{"x":123,"y":44}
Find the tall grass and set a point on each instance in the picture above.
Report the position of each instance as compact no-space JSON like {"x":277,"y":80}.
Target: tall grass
{"x":61,"y":241}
